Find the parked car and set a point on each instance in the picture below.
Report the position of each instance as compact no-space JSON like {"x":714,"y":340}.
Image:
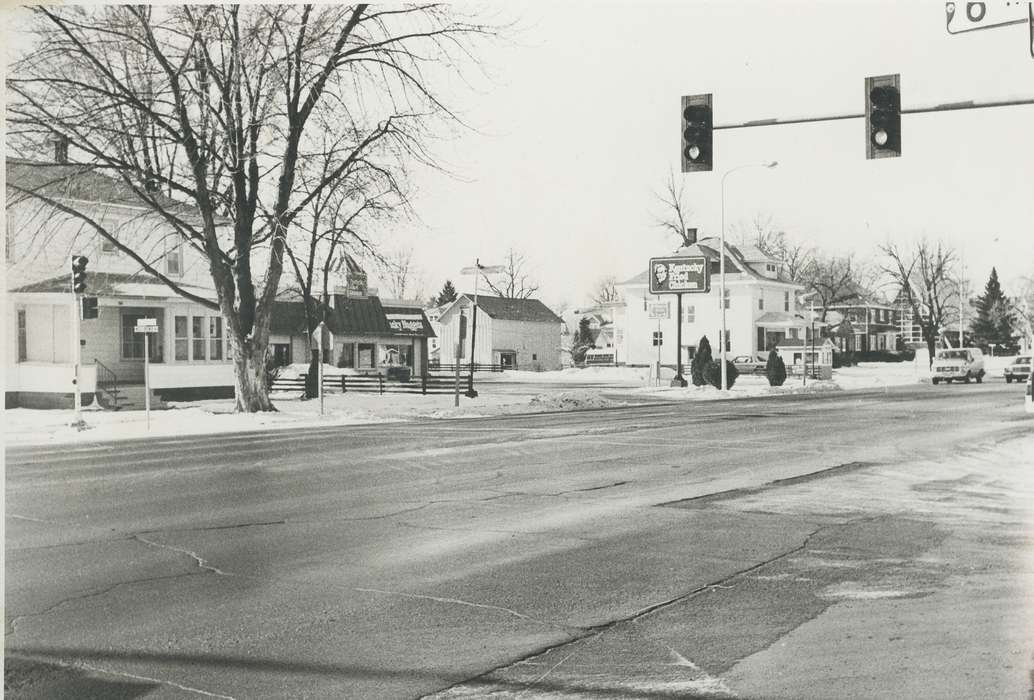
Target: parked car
{"x":1029,"y":400}
{"x":748,"y":364}
{"x":1018,"y":369}
{"x":958,"y":364}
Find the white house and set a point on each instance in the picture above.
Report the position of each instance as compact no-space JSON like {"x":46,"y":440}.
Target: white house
{"x":760,"y":306}
{"x":190,"y":349}
{"x":514,"y":333}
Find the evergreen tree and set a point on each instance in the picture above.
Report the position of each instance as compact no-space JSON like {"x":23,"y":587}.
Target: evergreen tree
{"x":775,"y":369}
{"x":447,"y":295}
{"x":713,"y":374}
{"x":700,"y":361}
{"x":582,"y":341}
{"x":994,"y":320}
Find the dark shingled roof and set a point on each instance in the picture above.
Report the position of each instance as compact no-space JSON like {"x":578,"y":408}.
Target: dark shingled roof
{"x":80,"y":181}
{"x":516,"y":309}
{"x":350,"y":316}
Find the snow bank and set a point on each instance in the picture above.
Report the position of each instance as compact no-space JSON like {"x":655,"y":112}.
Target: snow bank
{"x":569,"y":401}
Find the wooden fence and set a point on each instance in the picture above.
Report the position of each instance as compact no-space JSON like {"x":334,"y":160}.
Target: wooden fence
{"x":376,"y":384}
{"x":465,"y":367}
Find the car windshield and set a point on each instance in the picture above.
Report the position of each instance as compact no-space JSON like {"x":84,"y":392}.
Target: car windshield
{"x":1021,"y":361}
{"x":953,"y":355}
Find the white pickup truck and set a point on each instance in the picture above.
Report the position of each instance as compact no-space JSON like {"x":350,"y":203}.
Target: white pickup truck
{"x":959,"y":365}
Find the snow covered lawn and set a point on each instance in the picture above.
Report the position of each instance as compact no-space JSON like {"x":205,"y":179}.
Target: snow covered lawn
{"x":31,"y":426}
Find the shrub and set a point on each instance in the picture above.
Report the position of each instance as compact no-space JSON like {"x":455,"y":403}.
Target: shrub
{"x":713,"y":374}
{"x":700,"y":361}
{"x":775,"y":369}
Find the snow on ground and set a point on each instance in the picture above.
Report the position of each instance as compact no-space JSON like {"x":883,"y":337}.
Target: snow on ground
{"x":29,"y":426}
{"x":32,"y":426}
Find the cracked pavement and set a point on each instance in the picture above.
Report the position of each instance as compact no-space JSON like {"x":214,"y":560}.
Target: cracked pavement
{"x":646,"y":552}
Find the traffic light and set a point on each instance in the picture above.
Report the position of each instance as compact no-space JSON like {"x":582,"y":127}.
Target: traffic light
{"x":89,"y":307}
{"x":79,"y":273}
{"x":883,"y":116}
{"x":697,"y":133}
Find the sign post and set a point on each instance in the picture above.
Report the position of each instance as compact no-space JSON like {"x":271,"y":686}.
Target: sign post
{"x":318,"y":334}
{"x":147,"y":326}
{"x":688,"y":274}
{"x":659,"y":311}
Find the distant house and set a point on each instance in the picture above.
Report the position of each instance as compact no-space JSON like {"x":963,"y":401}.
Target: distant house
{"x":760,"y":304}
{"x":514,"y":333}
{"x":866,"y":326}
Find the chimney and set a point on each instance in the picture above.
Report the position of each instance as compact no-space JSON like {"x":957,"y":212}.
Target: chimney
{"x":691,"y":236}
{"x":60,"y":149}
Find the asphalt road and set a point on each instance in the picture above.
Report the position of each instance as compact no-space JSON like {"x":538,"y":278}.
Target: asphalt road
{"x":647,"y":552}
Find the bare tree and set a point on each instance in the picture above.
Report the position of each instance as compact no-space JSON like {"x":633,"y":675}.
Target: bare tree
{"x":1023,"y":306}
{"x":762,"y":233}
{"x":924,"y":274}
{"x":676,"y":214}
{"x":220,"y":108}
{"x":605,"y":291}
{"x":402,"y":275}
{"x":513,"y":282}
{"x":835,"y":279}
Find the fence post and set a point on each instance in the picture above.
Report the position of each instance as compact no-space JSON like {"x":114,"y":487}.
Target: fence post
{"x":344,"y":384}
{"x":423,"y":383}
{"x":380,"y":381}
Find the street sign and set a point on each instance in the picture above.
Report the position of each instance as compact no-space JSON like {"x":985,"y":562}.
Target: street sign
{"x":146,"y":325}
{"x":485,"y":269}
{"x":660,"y":310}
{"x":675,"y":275}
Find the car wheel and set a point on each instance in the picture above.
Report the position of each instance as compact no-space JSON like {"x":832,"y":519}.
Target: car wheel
{"x":1008,"y":379}
{"x":967,"y":378}
{"x":936,"y":381}
{"x":980,"y":378}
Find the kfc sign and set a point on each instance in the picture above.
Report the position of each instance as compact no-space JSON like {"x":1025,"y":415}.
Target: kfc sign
{"x":675,"y":275}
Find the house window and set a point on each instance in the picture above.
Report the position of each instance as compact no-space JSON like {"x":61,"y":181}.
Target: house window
{"x":215,"y":337}
{"x":181,"y":339}
{"x":198,"y":336}
{"x":786,"y":301}
{"x":282,"y":354}
{"x":108,"y":246}
{"x":133,"y":342}
{"x":174,"y":259}
{"x":534,"y":356}
{"x":23,"y":337}
{"x":347,"y":356}
{"x":761,"y":303}
{"x":770,"y":267}
{"x":727,"y":298}
{"x":689,"y":314}
{"x":9,"y":248}
{"x":397,"y":355}
{"x":366,"y":354}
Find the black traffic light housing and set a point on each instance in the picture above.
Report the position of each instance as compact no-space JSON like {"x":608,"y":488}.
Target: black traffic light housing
{"x":697,"y":133}
{"x":883,"y":116}
{"x":79,"y":273}
{"x":89,"y":305}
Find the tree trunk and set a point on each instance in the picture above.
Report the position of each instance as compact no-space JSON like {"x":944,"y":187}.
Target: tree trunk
{"x":250,"y":384}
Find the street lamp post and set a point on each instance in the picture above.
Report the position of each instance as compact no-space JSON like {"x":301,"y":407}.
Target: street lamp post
{"x":721,"y":269}
{"x":477,"y":271}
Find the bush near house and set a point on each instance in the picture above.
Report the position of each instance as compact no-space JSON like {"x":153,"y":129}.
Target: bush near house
{"x":775,"y":369}
{"x":700,"y":361}
{"x":713,"y":374}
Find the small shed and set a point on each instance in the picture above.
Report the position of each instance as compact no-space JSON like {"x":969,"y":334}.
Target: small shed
{"x":818,"y":354}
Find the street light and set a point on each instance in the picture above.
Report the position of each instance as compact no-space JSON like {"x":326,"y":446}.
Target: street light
{"x":477,"y":270}
{"x":721,"y":268}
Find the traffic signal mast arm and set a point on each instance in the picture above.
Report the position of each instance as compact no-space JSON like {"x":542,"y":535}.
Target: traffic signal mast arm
{"x":947,"y":107}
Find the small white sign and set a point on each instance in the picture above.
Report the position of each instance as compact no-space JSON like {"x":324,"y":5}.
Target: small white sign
{"x":146,"y":325}
{"x":660,"y":310}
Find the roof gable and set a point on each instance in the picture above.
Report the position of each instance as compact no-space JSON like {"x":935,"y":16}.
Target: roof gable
{"x":503,"y":308}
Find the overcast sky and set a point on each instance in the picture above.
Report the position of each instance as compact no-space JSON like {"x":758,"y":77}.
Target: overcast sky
{"x":580,"y":126}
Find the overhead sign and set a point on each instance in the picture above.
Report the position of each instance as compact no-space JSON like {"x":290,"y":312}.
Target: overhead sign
{"x":406,"y":323}
{"x":146,"y":325}
{"x":659,"y":311}
{"x":679,"y":274}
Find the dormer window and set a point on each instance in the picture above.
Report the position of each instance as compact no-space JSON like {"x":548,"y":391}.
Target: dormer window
{"x":770,"y":267}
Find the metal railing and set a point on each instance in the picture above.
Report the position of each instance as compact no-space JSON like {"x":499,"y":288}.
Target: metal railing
{"x":107,"y":382}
